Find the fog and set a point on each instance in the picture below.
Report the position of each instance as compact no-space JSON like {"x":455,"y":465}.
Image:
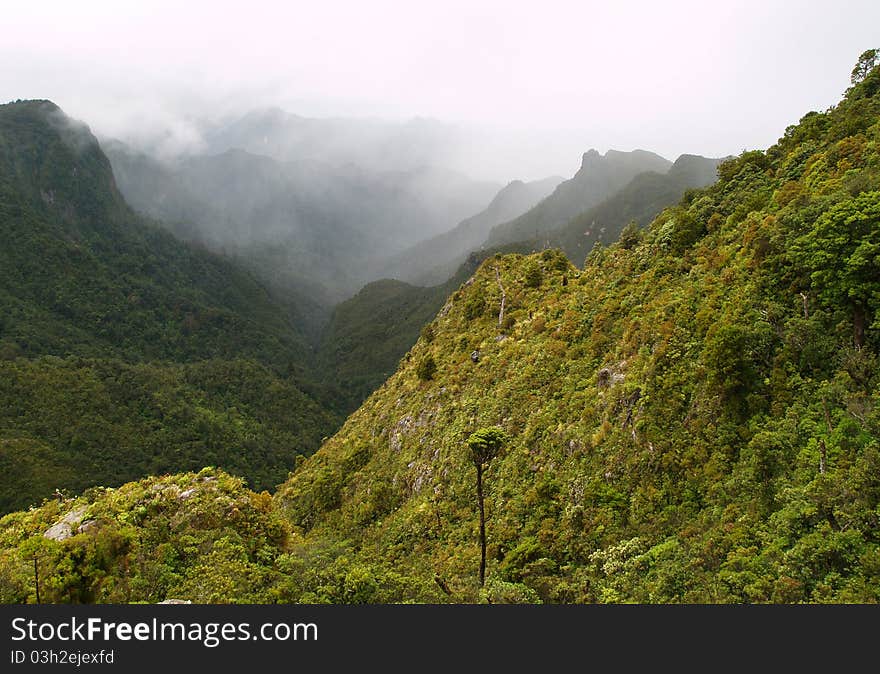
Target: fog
{"x":520,"y":90}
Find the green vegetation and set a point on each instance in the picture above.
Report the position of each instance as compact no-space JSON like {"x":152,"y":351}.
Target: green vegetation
{"x":427,"y":368}
{"x":200,"y":536}
{"x":368,"y":334}
{"x":72,"y":423}
{"x":124,"y":352}
{"x":693,"y":417}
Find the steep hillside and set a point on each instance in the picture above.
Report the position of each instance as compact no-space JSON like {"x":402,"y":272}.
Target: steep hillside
{"x":693,"y":417}
{"x":435,"y":260}
{"x":598,"y":178}
{"x":639,"y":201}
{"x":81,"y":276}
{"x":369,"y":333}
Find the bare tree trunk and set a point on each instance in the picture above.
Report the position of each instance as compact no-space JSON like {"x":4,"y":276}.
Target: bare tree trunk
{"x":37,"y":579}
{"x":503,"y":297}
{"x":823,"y":450}
{"x":482,"y":525}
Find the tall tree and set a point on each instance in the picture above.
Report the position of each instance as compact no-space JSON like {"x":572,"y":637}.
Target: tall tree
{"x":864,"y":65}
{"x":485,"y":445}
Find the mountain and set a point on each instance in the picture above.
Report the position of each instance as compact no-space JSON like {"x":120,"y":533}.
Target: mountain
{"x":81,"y":273}
{"x":376,"y":145}
{"x":123,"y":350}
{"x":598,"y":178}
{"x":639,"y":201}
{"x":306,"y":227}
{"x":369,"y":333}
{"x":435,"y":260}
{"x":693,"y":417}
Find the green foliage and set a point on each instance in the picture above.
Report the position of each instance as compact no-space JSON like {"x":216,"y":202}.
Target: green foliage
{"x":864,"y":65}
{"x":426,"y":368}
{"x":533,"y":276}
{"x":368,"y":334}
{"x":728,"y":451}
{"x":748,"y":160}
{"x":503,"y":592}
{"x":842,"y":249}
{"x":486,"y":443}
{"x":78,"y":422}
{"x":200,"y":537}
{"x":474,"y":307}
{"x":630,"y":235}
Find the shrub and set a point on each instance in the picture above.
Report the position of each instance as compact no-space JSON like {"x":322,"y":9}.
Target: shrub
{"x":427,"y":368}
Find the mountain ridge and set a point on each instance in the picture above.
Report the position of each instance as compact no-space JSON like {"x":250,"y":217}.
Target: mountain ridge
{"x":435,"y":260}
{"x":598,"y":178}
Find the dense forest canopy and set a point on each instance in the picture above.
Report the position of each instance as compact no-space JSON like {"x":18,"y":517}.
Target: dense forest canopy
{"x":123,"y":351}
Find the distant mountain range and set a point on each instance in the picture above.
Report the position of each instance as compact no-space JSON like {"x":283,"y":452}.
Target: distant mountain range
{"x":303,"y":225}
{"x":435,"y":260}
{"x":375,"y":145}
{"x":598,"y":178}
{"x":638,"y":201}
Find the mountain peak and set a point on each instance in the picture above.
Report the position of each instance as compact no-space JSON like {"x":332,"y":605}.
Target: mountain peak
{"x":590,"y":156}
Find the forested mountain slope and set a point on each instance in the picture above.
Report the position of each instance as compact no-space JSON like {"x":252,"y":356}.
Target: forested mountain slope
{"x":82,"y":273}
{"x":369,"y":333}
{"x":121,"y":348}
{"x":693,"y":417}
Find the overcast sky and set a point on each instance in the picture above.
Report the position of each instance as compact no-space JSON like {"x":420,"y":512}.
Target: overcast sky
{"x":703,"y":77}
